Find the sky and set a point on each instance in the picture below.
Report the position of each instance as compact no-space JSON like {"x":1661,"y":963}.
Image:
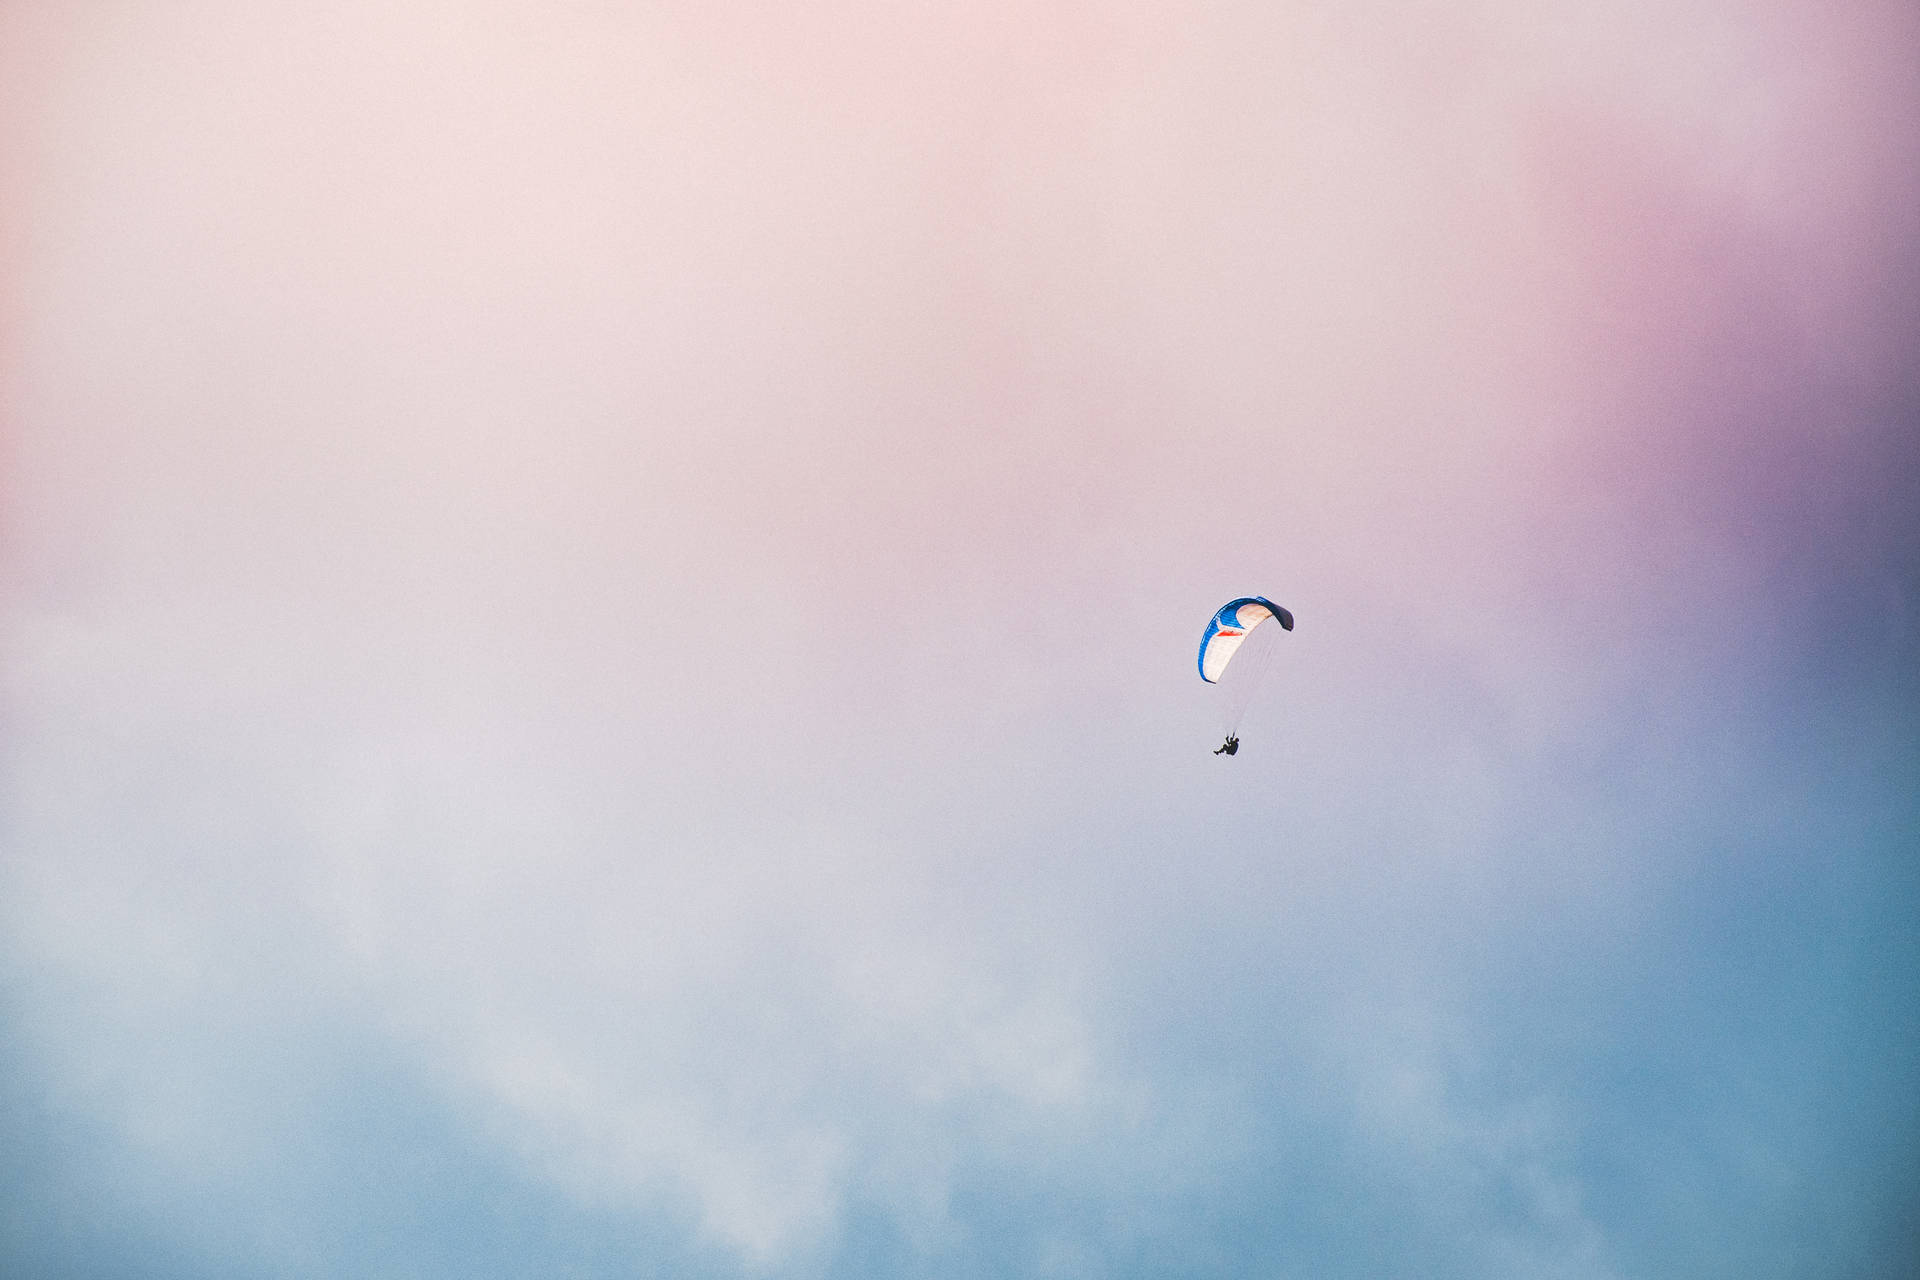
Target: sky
{"x":597,"y":625}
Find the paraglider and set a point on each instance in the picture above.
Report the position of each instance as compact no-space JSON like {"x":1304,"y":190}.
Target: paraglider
{"x":1231,"y":628}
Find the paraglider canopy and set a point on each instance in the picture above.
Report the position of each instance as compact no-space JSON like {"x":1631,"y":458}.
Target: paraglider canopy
{"x":1227,"y":631}
{"x":1239,"y":628}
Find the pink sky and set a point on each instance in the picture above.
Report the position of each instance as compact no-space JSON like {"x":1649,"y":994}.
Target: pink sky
{"x":513,"y":511}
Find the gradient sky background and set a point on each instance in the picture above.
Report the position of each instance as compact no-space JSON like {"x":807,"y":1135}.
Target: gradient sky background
{"x":598,"y":608}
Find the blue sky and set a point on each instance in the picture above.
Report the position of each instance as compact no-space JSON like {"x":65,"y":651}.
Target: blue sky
{"x":598,"y":615}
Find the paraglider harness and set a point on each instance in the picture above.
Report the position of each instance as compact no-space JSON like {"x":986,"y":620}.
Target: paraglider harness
{"x":1230,"y":747}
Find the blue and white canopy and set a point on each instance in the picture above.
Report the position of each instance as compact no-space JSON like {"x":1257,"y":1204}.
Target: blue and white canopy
{"x":1228,"y":629}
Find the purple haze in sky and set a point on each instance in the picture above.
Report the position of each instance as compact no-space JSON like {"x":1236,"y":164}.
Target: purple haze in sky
{"x":597,"y":621}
